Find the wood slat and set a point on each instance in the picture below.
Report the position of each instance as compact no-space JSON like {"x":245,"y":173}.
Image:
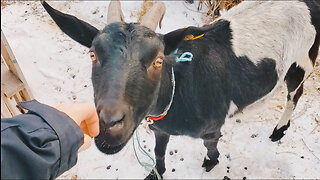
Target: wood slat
{"x":12,"y":64}
{"x":10,"y":84}
{"x":5,"y":113}
{"x":8,"y":104}
{"x":18,"y":98}
{"x":13,"y":83}
{"x":24,"y":95}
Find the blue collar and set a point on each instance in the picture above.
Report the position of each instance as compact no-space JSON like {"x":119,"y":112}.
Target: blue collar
{"x":185,"y":57}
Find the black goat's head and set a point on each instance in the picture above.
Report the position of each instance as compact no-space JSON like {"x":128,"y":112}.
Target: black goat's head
{"x":128,"y":61}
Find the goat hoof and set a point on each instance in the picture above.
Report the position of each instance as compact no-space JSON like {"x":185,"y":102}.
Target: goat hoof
{"x":277,"y":134}
{"x":208,"y":164}
{"x":152,"y":176}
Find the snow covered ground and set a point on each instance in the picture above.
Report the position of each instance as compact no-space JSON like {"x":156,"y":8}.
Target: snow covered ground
{"x":58,"y":70}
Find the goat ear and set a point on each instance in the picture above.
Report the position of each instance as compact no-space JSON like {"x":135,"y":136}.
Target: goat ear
{"x":173,"y":39}
{"x":75,"y":28}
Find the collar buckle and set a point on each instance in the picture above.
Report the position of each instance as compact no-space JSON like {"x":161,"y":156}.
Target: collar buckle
{"x":149,"y":121}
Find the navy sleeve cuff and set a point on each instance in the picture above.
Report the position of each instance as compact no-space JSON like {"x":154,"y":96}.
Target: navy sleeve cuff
{"x":69,"y":133}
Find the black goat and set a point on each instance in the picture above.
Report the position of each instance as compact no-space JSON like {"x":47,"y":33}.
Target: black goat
{"x":232,"y":64}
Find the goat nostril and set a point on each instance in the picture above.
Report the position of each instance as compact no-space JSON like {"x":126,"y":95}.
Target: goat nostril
{"x":117,"y":122}
{"x":99,"y":109}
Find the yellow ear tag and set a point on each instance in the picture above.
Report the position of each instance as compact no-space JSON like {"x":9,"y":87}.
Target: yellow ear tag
{"x":93,"y":56}
{"x":191,"y":37}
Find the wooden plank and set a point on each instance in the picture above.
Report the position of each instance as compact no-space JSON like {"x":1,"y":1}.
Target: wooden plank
{"x":23,"y":93}
{"x":8,"y":104}
{"x":25,"y":96}
{"x":18,"y":98}
{"x":11,"y":62}
{"x":7,"y":54}
{"x":2,"y":60}
{"x":10,"y":84}
{"x":5,"y":113}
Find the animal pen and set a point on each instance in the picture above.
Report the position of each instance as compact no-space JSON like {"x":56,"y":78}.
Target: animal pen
{"x":14,"y":87}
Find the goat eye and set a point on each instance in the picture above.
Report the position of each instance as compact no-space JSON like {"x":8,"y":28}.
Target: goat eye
{"x":93,"y":56}
{"x":158,"y":63}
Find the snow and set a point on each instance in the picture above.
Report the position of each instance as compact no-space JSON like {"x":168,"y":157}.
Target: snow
{"x":58,"y":70}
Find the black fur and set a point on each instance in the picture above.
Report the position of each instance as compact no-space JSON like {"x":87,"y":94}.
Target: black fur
{"x":78,"y":30}
{"x":294,"y":77}
{"x":314,"y":7}
{"x":205,"y":86}
{"x":124,"y":52}
{"x":173,"y":39}
{"x":277,"y":134}
{"x":298,"y":94}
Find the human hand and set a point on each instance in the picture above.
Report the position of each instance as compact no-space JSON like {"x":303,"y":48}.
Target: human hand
{"x":86,"y":117}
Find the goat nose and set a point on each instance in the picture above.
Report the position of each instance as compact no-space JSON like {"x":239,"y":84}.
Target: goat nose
{"x":112,"y":117}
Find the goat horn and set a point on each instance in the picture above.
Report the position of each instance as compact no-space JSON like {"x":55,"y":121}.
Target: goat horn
{"x":154,"y":16}
{"x":114,"y":12}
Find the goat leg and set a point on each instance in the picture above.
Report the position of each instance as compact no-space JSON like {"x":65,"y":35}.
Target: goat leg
{"x":162,"y":140}
{"x":210,"y":142}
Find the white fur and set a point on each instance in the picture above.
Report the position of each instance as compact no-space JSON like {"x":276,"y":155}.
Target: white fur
{"x":280,"y":30}
{"x":306,"y":65}
{"x":286,"y":114}
{"x":232,"y":109}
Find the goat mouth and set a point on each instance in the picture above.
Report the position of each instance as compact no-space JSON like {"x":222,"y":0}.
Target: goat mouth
{"x":107,"y":149}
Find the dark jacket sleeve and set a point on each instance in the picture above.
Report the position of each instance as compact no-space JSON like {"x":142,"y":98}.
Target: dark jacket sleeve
{"x":41,"y":144}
